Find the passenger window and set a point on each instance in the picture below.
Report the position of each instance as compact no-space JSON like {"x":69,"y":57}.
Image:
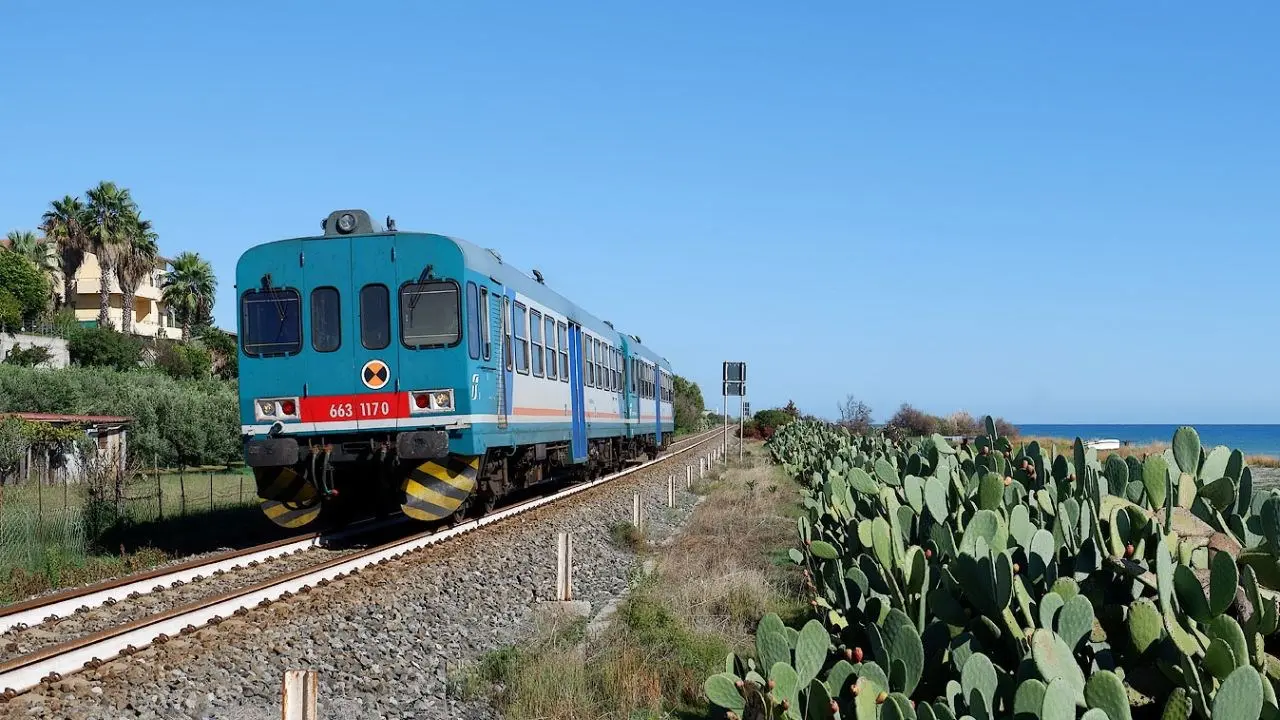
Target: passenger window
{"x":473,"y":321}
{"x":272,"y":321}
{"x":587,"y":363}
{"x":485,"y":345}
{"x":617,"y":371}
{"x":375,"y":317}
{"x":551,"y":348}
{"x":564,"y":351}
{"x":522,"y":339}
{"x":595,"y":354}
{"x":326,"y":320}
{"x":535,"y":338}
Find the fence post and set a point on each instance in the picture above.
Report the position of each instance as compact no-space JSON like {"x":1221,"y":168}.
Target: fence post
{"x":155,"y":466}
{"x":298,"y":698}
{"x":182,"y":487}
{"x":210,"y":491}
{"x":240,"y":495}
{"x":671,"y":491}
{"x":688,"y":476}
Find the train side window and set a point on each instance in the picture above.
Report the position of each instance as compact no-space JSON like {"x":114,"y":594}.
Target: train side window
{"x":551,"y":348}
{"x":375,"y":317}
{"x":563,"y":336}
{"x":617,"y":362}
{"x":506,"y":330}
{"x":473,"y":321}
{"x":522,"y":339}
{"x":595,"y":350}
{"x":326,"y":320}
{"x":485,"y":344}
{"x":613,"y":356}
{"x":535,"y":338}
{"x":272,"y":322}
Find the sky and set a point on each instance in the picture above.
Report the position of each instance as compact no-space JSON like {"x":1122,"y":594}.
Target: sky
{"x":1052,"y":214}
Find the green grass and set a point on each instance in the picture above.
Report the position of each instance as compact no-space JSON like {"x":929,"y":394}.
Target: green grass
{"x":49,"y":539}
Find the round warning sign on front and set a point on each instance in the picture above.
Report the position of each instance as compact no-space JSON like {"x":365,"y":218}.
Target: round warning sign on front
{"x":375,"y":374}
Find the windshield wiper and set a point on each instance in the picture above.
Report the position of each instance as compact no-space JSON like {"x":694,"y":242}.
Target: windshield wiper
{"x":422,"y":279}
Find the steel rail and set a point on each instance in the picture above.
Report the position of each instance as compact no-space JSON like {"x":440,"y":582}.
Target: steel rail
{"x":51,"y":663}
{"x":36,"y":611}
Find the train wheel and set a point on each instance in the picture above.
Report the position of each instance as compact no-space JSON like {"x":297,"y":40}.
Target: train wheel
{"x":287,"y":498}
{"x":436,"y":489}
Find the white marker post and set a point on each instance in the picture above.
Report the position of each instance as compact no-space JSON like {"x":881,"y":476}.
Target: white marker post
{"x":299,"y":695}
{"x":564,"y":566}
{"x":637,"y":515}
{"x":671,"y":491}
{"x":688,"y":476}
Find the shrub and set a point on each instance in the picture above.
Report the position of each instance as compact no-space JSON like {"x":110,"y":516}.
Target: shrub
{"x":104,"y":348}
{"x":33,"y":356}
{"x":23,"y":281}
{"x":768,"y":421}
{"x":183,"y":361}
{"x":910,"y":422}
{"x":192,"y":422}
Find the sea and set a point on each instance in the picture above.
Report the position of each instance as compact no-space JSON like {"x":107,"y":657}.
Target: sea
{"x":1248,"y":439}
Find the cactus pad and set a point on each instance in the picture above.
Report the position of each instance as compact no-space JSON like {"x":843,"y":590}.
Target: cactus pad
{"x":811,"y":651}
{"x":1240,"y":695}
{"x":722,"y":691}
{"x":1055,"y":660}
{"x":1146,"y":626}
{"x":1186,"y":450}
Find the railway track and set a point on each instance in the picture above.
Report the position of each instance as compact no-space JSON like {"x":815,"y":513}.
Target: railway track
{"x":58,"y":657}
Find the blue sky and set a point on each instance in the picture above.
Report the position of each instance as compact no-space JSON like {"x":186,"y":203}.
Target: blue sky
{"x":1056,"y":215}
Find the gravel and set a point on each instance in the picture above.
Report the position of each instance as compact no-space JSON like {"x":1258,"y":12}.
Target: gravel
{"x":387,"y":641}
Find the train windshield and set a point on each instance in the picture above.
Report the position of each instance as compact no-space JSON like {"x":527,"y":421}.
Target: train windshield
{"x":430,"y":315}
{"x":271,"y":322}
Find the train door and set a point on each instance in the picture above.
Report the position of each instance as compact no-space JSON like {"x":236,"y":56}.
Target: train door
{"x":328,"y":304}
{"x":578,"y":432}
{"x":376,"y":355}
{"x":502,"y":324}
{"x":657,"y":404}
{"x":488,"y":386}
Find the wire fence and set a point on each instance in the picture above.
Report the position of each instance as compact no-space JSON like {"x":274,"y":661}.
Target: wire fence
{"x":51,"y":519}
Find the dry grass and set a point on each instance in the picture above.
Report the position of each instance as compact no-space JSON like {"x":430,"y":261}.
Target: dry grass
{"x":1063,"y":446}
{"x":708,"y":591}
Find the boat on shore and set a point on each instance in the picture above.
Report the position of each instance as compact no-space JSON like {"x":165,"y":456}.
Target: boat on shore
{"x":1103,"y":444}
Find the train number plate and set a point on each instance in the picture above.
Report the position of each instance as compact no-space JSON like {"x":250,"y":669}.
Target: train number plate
{"x":351,"y":407}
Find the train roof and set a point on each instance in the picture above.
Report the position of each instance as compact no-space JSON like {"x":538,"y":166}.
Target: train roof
{"x":490,"y":262}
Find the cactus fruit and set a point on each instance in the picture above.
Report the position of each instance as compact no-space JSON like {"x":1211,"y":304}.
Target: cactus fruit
{"x":880,"y":698}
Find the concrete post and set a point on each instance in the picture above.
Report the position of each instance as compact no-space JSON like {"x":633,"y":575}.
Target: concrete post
{"x":671,"y":491}
{"x":298,"y":699}
{"x":637,"y":515}
{"x":688,"y":476}
{"x":564,"y":567}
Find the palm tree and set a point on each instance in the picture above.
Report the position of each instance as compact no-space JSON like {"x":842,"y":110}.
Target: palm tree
{"x":33,"y":248}
{"x":188,"y":289}
{"x":135,"y":261}
{"x":111,"y":209}
{"x":66,"y":223}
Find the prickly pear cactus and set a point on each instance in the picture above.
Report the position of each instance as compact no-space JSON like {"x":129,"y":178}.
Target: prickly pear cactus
{"x":989,"y":580}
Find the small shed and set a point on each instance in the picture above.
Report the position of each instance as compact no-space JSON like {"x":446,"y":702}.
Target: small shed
{"x":110,"y":434}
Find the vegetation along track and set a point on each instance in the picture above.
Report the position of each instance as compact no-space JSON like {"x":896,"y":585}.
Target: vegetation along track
{"x":65,"y":656}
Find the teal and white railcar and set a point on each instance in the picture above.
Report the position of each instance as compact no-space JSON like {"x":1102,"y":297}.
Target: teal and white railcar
{"x":376,"y":363}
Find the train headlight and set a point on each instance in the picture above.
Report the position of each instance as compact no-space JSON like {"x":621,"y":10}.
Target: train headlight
{"x":276,"y":408}
{"x":430,"y":401}
{"x":346,"y":223}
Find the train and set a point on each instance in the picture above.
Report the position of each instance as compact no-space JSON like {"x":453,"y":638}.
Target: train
{"x":380,"y":366}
